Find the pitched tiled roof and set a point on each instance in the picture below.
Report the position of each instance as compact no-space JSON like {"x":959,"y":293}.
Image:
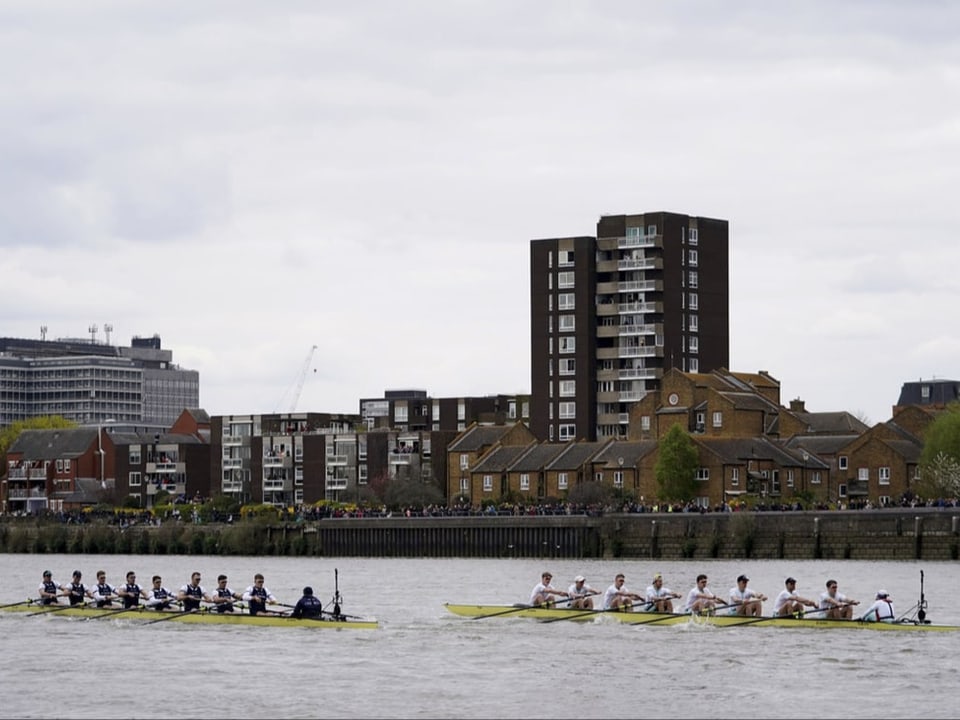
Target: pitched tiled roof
{"x":739,"y":450}
{"x":832,"y":422}
{"x":631,"y":451}
{"x":500,"y":458}
{"x":820,"y":444}
{"x":477,"y":437}
{"x":577,"y":455}
{"x":53,"y":444}
{"x":538,"y":458}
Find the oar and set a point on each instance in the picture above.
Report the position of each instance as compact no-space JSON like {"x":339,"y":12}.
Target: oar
{"x":588,"y":613}
{"x":518,"y":607}
{"x":25,"y":602}
{"x":135,"y":608}
{"x":172,"y":615}
{"x":55,"y":608}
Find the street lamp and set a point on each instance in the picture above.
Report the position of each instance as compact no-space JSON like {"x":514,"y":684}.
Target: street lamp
{"x":100,"y":451}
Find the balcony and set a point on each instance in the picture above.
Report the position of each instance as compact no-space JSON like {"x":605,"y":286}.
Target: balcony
{"x":232,"y":486}
{"x":336,"y":460}
{"x":639,"y":241}
{"x":637,"y":374}
{"x":401,"y":458}
{"x":276,"y":461}
{"x":336,"y":484}
{"x":639,"y":308}
{"x":163,"y":468}
{"x":232,"y":440}
{"x":277,"y":486}
{"x":232,"y":463}
{"x":174,"y":488}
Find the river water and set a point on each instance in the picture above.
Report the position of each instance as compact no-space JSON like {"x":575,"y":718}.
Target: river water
{"x":427,"y":663}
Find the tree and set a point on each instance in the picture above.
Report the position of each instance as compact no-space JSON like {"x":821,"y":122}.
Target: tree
{"x":10,"y":433}
{"x":677,"y":464}
{"x":942,"y":436}
{"x":940,"y":478}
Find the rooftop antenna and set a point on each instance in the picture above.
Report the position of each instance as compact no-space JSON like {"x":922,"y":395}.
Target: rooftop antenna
{"x":108,"y":328}
{"x":43,"y":332}
{"x":93,"y":333}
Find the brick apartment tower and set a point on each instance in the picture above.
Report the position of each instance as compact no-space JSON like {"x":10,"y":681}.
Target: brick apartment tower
{"x":609,"y":314}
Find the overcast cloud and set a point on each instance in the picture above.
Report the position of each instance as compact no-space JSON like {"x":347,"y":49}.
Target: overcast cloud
{"x":248,"y":179}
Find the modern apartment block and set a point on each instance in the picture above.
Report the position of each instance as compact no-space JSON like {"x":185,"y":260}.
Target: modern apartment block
{"x":609,"y":314}
{"x":415,"y":410}
{"x":301,"y":458}
{"x":91,"y":382}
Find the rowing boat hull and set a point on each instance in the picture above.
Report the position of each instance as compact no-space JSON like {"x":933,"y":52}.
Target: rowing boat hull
{"x":199,"y":618}
{"x":659,"y":619}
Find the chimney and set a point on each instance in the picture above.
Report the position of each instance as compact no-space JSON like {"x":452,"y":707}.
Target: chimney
{"x":797,"y":406}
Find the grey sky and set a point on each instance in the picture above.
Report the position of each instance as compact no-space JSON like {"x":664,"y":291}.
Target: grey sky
{"x":248,"y":179}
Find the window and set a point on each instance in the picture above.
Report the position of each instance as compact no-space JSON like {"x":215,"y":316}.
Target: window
{"x":464,"y":461}
{"x":645,"y":423}
{"x":863,"y":474}
{"x":566,"y":301}
{"x":487,"y":483}
{"x":362,"y":474}
{"x":703,"y":473}
{"x":568,"y":410}
{"x":924,"y":392}
{"x":789,"y":478}
{"x":568,"y":432}
{"x":734,"y":477}
{"x":465,"y":485}
{"x":564,"y":280}
{"x":618,"y":478}
{"x":59,"y":465}
{"x":692,"y":279}
{"x":693,"y":322}
{"x":568,"y":388}
{"x":564,"y":258}
{"x":400,"y":413}
{"x":694,"y":344}
{"x":694,"y":236}
{"x":135,"y":455}
{"x":562,"y":481}
{"x":568,"y":366}
{"x":524,"y":481}
{"x":693,"y":365}
{"x":815,"y":478}
{"x":884,"y":476}
{"x":135,"y":479}
{"x":568,"y":323}
{"x":842,"y":462}
{"x":718,"y":419}
{"x":694,"y":301}
{"x":568,"y":344}
{"x":651,"y":230}
{"x":692,"y":256}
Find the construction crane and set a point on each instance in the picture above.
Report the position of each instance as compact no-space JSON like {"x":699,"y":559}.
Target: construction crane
{"x":298,"y":383}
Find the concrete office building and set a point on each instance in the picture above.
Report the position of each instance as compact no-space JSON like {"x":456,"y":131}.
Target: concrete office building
{"x":92,"y":382}
{"x":609,"y":314}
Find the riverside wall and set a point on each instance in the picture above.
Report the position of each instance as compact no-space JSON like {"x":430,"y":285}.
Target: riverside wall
{"x":889,"y":534}
{"x":856,"y":535}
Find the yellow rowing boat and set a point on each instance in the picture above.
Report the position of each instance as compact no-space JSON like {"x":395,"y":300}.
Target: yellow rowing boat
{"x":556,"y":614}
{"x":202,"y":616}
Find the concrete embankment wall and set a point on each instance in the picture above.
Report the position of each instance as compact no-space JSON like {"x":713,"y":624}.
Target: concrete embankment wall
{"x":921,"y":534}
{"x":858,"y":535}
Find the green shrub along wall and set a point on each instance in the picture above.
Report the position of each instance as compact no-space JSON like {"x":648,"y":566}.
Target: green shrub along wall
{"x":924,"y":533}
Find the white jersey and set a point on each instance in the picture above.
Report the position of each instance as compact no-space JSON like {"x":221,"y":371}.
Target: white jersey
{"x":783,"y":598}
{"x":694,"y":595}
{"x":880,"y":611}
{"x":825,"y":599}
